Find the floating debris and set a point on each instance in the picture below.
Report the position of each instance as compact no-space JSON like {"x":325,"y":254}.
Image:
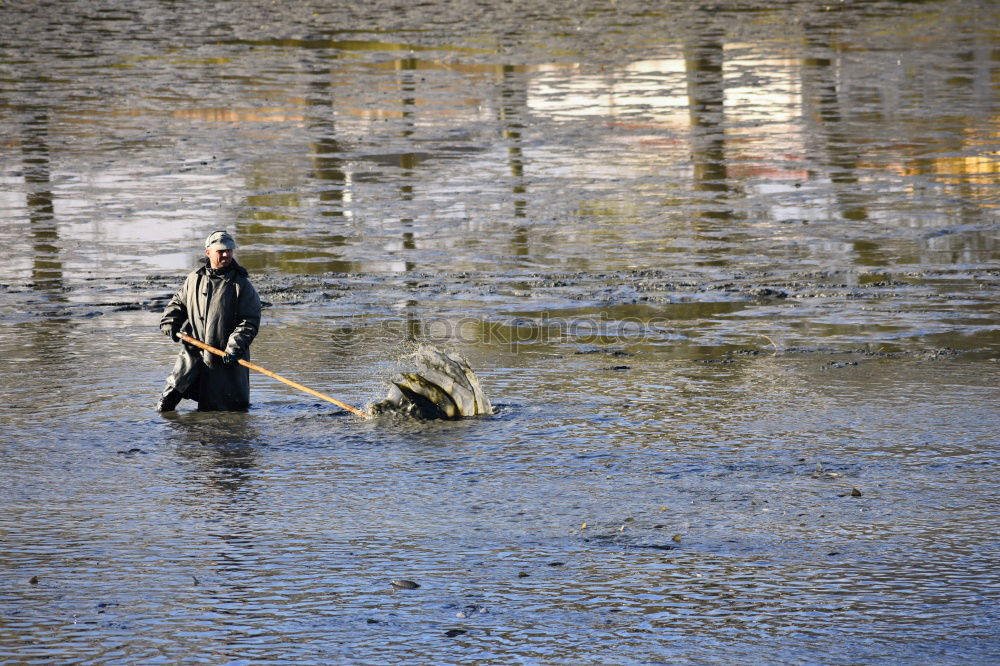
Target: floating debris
{"x":34,"y":580}
{"x":766,"y":293}
{"x":472,"y":610}
{"x":451,"y":633}
{"x":403,"y":584}
{"x":820,"y":473}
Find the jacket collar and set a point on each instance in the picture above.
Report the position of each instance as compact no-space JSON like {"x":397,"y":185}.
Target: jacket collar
{"x":237,"y":270}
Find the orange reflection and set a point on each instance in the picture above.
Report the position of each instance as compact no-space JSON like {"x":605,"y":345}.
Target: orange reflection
{"x":244,"y":115}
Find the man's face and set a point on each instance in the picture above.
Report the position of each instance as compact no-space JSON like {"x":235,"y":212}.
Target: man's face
{"x":219,"y":258}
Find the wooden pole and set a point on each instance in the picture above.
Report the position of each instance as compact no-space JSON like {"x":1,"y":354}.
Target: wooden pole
{"x":248,"y":364}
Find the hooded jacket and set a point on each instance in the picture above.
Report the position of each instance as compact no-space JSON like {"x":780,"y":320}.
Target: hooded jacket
{"x":224,"y":312}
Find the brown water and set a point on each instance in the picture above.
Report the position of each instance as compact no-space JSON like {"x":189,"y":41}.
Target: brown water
{"x":717,"y":266}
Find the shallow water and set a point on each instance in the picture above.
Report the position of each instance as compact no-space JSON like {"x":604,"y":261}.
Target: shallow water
{"x":718,"y":268}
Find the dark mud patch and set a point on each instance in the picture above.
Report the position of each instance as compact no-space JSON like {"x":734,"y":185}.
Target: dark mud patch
{"x":616,"y":353}
{"x":873,"y":316}
{"x":611,"y":288}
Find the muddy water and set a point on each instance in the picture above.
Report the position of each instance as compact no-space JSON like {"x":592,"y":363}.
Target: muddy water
{"x":730,"y":274}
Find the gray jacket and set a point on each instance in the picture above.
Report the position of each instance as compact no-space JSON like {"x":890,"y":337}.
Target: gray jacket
{"x":224,"y":312}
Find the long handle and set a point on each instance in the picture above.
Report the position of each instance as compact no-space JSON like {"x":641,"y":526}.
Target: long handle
{"x":248,"y":364}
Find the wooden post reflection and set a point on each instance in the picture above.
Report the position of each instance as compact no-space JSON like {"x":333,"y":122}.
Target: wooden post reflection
{"x":47,"y":268}
{"x":703,"y":59}
{"x":511,"y":111}
{"x":821,"y":98}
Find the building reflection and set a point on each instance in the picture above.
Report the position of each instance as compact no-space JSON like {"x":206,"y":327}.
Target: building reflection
{"x":318,"y":250}
{"x":666,"y":122}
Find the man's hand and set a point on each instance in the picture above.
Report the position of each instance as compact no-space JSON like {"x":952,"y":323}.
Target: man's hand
{"x":171,"y":332}
{"x":230,"y":357}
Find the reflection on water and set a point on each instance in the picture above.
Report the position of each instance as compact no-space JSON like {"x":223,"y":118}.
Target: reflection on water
{"x":807,"y":134}
{"x":820,"y":92}
{"x":718,"y":268}
{"x":46,"y":271}
{"x":231,"y":435}
{"x":706,"y":94}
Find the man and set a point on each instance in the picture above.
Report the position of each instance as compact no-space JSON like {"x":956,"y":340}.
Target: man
{"x":217,"y":305}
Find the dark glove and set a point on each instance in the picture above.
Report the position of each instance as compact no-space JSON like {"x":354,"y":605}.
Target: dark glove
{"x":170,"y":332}
{"x":230,"y":357}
